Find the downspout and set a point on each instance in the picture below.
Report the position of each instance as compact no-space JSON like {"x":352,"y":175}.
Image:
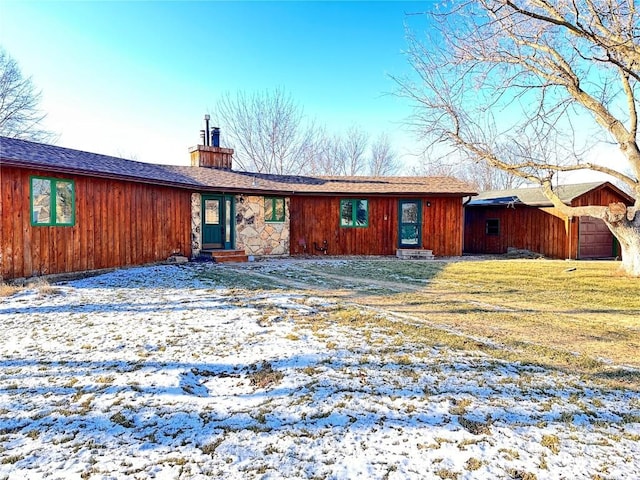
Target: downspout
{"x":464,"y":219}
{"x":570,"y":219}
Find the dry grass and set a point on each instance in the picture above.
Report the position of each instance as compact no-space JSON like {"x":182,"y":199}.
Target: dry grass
{"x":264,"y":376}
{"x":43,"y":287}
{"x":7,"y":289}
{"x":545,"y":285}
{"x":581,"y":317}
{"x":538,"y":311}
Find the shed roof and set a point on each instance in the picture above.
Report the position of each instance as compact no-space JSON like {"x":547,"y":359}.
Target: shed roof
{"x":23,"y":153}
{"x":534,"y":196}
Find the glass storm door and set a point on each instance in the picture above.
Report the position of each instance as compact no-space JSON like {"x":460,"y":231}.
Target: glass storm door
{"x":409,"y":224}
{"x":217,"y":227}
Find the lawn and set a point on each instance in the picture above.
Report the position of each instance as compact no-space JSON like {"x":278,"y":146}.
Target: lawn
{"x":324,"y":369}
{"x":578,"y":316}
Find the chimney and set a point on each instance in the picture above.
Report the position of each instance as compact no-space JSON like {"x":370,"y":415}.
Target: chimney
{"x":211,"y":154}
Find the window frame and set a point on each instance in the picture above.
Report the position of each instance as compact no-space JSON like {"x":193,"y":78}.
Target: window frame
{"x":494,"y":229}
{"x":274,"y":216}
{"x":53,"y":204}
{"x":354,"y":212}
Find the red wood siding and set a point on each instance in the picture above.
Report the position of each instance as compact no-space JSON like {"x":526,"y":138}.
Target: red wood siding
{"x":117,"y":223}
{"x":593,"y":239}
{"x":601,"y":196}
{"x":317,"y":218}
{"x":541,"y":230}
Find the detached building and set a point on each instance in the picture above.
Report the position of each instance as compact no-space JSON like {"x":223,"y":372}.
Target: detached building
{"x":525,"y":219}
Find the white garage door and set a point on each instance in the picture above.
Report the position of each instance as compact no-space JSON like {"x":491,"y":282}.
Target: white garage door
{"x":596,"y":241}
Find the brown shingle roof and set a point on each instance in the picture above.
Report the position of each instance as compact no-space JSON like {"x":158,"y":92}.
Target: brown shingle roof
{"x":533,"y":196}
{"x":309,"y":185}
{"x":51,"y":158}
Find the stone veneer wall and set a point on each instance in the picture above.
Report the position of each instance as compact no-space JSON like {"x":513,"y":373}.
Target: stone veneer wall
{"x":253,"y":234}
{"x":196,"y":224}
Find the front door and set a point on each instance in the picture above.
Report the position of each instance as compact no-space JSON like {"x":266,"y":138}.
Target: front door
{"x":217,"y":227}
{"x":410,"y":224}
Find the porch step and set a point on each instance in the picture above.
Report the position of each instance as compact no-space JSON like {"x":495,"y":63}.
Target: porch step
{"x":228,"y":256}
{"x":414,"y":253}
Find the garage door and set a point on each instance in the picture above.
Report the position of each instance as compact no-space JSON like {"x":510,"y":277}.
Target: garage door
{"x":596,"y":240}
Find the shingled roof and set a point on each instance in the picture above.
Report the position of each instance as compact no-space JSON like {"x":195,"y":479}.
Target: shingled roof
{"x":23,"y":153}
{"x":533,"y":196}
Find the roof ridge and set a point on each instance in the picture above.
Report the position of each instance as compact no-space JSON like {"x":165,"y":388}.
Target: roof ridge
{"x":47,"y":157}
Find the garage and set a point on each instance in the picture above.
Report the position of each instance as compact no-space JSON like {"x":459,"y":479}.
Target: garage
{"x":596,"y":240}
{"x":525,"y":219}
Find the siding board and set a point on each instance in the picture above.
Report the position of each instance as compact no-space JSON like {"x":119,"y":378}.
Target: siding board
{"x":88,"y":220}
{"x":539,"y":229}
{"x":126,"y":232}
{"x":530,"y":228}
{"x":16,"y":242}
{"x":6,"y":219}
{"x":317,"y":218}
{"x":111,"y":230}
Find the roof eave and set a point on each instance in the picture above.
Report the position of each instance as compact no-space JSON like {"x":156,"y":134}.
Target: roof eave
{"x":93,"y":173}
{"x":206,"y":187}
{"x":381,"y":194}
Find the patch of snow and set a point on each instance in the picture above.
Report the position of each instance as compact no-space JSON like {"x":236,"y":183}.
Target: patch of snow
{"x":159,"y":372}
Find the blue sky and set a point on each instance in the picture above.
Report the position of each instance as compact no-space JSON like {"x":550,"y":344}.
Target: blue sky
{"x":135,"y":78}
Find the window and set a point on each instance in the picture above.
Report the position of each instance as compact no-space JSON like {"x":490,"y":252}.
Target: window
{"x":274,"y":209}
{"x":354,"y":213}
{"x":52,"y":202}
{"x":492,"y":227}
{"x":212,"y":211}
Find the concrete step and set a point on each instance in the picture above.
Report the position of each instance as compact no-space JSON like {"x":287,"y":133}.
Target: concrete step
{"x":414,"y":254}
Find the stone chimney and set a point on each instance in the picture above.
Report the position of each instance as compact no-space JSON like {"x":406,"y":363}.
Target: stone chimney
{"x":211,"y":154}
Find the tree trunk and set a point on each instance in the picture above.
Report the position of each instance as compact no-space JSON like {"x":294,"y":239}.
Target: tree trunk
{"x":623,"y":221}
{"x":628,"y":234}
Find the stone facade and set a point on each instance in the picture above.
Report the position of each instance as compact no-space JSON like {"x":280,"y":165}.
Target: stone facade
{"x":253,"y":234}
{"x":256,"y":236}
{"x":196,"y":224}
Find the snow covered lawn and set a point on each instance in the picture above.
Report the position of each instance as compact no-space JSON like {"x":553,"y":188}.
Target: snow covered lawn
{"x":166,"y":372}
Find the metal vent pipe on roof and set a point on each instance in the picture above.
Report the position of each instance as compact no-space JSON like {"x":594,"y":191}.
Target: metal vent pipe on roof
{"x":215,"y":137}
{"x":206,"y":135}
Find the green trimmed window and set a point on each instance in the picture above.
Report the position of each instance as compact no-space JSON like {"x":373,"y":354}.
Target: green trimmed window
{"x":274,"y":209}
{"x":354,"y":213}
{"x":52,"y":202}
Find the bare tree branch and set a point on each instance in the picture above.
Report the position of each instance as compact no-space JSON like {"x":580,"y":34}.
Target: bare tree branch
{"x":524,"y":85}
{"x":268,"y":130}
{"x":383,"y":161}
{"x":20,"y":115}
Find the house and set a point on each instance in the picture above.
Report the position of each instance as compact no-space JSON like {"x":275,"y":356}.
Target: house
{"x":64,"y":210}
{"x":525,"y":219}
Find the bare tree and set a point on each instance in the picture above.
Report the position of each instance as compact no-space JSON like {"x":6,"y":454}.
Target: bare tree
{"x":383,"y":160}
{"x":329,"y":156}
{"x":525,"y":85}
{"x":335,"y":154}
{"x":355,"y":147}
{"x":268,"y":130}
{"x":474,"y":171}
{"x":20,"y":116}
{"x":478,"y":174}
